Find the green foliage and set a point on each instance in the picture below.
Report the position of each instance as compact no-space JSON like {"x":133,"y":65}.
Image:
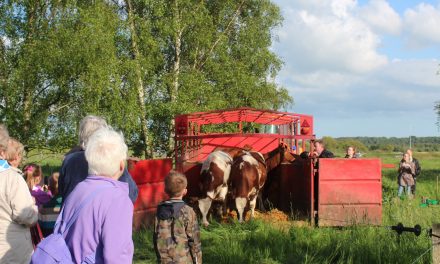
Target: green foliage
{"x":364,"y":144}
{"x":133,"y":62}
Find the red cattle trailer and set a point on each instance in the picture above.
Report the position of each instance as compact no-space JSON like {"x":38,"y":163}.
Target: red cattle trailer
{"x":340,"y":192}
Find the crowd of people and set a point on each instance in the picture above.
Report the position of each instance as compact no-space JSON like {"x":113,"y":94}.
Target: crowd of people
{"x":85,"y":211}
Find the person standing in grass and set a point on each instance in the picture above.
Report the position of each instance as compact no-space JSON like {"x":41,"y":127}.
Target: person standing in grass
{"x":417,"y":172}
{"x":75,"y":167}
{"x":176,"y":235}
{"x":17,"y":210}
{"x":48,"y":213}
{"x":102,"y":213}
{"x":406,"y":172}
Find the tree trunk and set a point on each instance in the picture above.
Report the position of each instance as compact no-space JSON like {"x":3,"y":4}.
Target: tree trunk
{"x":138,"y":71}
{"x":176,"y":69}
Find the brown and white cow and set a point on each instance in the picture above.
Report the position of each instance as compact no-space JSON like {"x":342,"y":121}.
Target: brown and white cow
{"x":215,"y":178}
{"x":249,"y":173}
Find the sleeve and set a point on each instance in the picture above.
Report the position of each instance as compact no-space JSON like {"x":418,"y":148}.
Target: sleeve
{"x":23,"y":208}
{"x":418,"y":168}
{"x":132,"y":187}
{"x":41,"y":196}
{"x":117,"y":231}
{"x":193,"y":234}
{"x":61,"y":180}
{"x":413,"y":168}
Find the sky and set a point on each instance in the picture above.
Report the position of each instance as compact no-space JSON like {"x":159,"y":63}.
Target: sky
{"x":362,"y":68}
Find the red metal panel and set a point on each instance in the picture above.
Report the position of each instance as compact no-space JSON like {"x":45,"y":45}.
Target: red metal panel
{"x":349,"y":192}
{"x":149,"y":176}
{"x":150,"y":195}
{"x":149,"y":171}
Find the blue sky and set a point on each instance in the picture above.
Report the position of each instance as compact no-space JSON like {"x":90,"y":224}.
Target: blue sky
{"x":362,"y":68}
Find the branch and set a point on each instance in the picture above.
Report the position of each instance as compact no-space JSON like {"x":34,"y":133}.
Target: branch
{"x":227,"y":29}
{"x":41,"y":91}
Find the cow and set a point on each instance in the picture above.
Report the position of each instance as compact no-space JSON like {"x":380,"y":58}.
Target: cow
{"x":249,"y":173}
{"x":215,"y":178}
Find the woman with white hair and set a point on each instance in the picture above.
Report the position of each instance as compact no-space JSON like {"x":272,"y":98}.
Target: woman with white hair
{"x":74,"y":168}
{"x":103,"y":228}
{"x":17,"y":211}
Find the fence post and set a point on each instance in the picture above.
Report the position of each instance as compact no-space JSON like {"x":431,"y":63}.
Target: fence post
{"x":435,"y":243}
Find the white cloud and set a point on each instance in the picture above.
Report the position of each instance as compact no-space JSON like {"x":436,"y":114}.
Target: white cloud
{"x":328,"y":37}
{"x":335,"y":71}
{"x":415,"y":72}
{"x":422,"y":24}
{"x":381,"y":16}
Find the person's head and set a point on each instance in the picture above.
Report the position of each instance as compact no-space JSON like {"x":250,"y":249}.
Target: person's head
{"x":175,"y":184}
{"x":351,"y":151}
{"x":4,"y":139}
{"x":33,"y":174}
{"x":319,"y":146}
{"x":406,"y":157}
{"x":106,"y":153}
{"x":53,"y":183}
{"x":88,"y":126}
{"x":14,"y":152}
{"x":409,"y":151}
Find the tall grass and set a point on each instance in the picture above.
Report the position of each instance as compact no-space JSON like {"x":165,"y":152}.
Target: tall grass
{"x":260,"y":242}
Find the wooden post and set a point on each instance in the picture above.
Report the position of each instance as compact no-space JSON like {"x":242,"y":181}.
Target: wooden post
{"x":435,"y":243}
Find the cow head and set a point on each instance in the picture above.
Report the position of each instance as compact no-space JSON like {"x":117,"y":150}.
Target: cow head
{"x":286,"y":154}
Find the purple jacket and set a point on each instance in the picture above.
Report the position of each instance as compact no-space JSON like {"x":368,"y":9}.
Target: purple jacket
{"x":41,"y":197}
{"x":104,"y":224}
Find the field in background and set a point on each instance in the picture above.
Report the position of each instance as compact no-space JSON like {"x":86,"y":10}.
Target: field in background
{"x":262,"y":242}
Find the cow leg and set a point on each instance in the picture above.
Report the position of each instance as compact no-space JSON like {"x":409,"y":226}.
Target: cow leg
{"x":222,"y":196}
{"x":252,"y":205}
{"x":204,"y":205}
{"x":240,"y":204}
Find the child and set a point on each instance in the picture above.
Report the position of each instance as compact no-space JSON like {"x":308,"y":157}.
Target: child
{"x":33,"y":174}
{"x":14,"y":154}
{"x":48,"y":213}
{"x":176,"y":231}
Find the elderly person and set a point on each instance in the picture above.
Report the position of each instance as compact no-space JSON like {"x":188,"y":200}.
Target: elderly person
{"x":103,"y":229}
{"x":75,"y":168}
{"x":17,"y":211}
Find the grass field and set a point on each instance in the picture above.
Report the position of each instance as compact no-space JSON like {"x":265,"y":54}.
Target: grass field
{"x":262,"y":242}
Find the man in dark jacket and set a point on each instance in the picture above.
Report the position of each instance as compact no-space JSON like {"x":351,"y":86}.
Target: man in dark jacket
{"x":418,"y":170}
{"x":75,"y":167}
{"x":320,"y":151}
